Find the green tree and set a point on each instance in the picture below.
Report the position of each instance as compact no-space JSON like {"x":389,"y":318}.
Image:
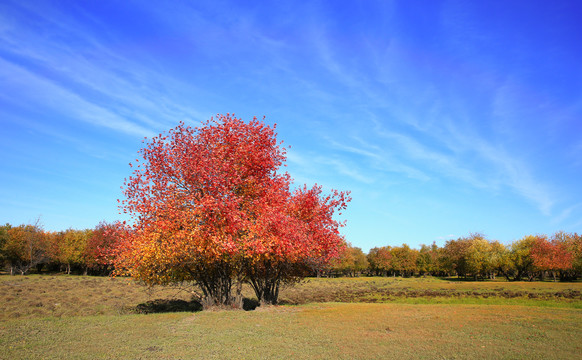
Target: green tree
{"x":497,"y":258}
{"x":4,"y":236}
{"x":455,"y":255}
{"x":428,"y":259}
{"x":574,"y":244}
{"x":521,"y":263}
{"x":478,"y":257}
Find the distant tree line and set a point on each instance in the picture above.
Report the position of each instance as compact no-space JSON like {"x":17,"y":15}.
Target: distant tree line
{"x":27,"y":248}
{"x":472,"y":257}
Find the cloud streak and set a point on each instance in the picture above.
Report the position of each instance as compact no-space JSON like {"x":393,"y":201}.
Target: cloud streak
{"x":56,"y":98}
{"x":424,"y":133}
{"x":98,"y":85}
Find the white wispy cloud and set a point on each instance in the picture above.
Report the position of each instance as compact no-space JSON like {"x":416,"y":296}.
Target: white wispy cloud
{"x":379,"y":158}
{"x":517,"y":175}
{"x":81,"y":67}
{"x":500,"y":168}
{"x":445,"y":139}
{"x":566,"y":214}
{"x":437,"y":161}
{"x":347,"y":169}
{"x":43,"y":92}
{"x":462,"y":155}
{"x":80,"y":144}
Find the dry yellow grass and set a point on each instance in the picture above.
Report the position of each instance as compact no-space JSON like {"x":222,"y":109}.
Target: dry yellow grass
{"x":46,"y":295}
{"x":40,"y":296}
{"x":434,"y":290}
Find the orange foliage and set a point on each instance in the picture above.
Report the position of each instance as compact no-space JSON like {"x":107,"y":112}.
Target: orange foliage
{"x":551,"y":255}
{"x":209,"y":202}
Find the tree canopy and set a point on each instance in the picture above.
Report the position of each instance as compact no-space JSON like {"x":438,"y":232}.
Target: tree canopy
{"x":209,"y":205}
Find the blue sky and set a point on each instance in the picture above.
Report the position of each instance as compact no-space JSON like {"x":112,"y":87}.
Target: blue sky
{"x":441,"y":117}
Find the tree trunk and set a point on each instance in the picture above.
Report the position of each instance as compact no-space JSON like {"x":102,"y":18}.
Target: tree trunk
{"x":216,"y":280}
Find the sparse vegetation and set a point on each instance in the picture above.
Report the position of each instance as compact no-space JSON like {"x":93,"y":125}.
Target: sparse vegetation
{"x":58,"y":296}
{"x":62,"y":295}
{"x":431,"y":290}
{"x":49,"y":317}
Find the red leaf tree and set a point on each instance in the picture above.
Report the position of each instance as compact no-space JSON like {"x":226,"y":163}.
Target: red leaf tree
{"x":298,"y":236}
{"x":209,"y":206}
{"x":551,"y":255}
{"x":101,"y":245}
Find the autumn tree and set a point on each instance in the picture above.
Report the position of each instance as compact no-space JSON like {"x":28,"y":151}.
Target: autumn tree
{"x":352,"y":261}
{"x":380,"y":260}
{"x":497,"y":258}
{"x":209,"y":206}
{"x":455,"y":256}
{"x":428,"y":261}
{"x":404,"y":260}
{"x":305,"y":237}
{"x":24,"y":247}
{"x":573,"y":243}
{"x":70,"y":246}
{"x":373,"y":260}
{"x":360,"y":261}
{"x":101,"y":245}
{"x":551,"y":255}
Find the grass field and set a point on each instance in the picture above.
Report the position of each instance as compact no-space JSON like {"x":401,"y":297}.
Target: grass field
{"x":49,"y":317}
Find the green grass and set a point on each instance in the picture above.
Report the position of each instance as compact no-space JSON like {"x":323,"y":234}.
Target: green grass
{"x":50,"y":317}
{"x":315,"y":331}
